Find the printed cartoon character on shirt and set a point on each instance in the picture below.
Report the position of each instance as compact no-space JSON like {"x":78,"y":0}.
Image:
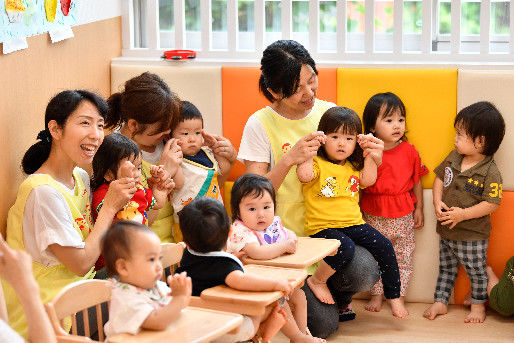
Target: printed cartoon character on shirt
{"x":130,"y":212}
{"x":353,"y":185}
{"x":272,"y":233}
{"x":329,"y":188}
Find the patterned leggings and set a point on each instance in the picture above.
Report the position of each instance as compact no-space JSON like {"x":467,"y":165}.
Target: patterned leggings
{"x":473,"y":257}
{"x":369,"y":238}
{"x":400,"y":231}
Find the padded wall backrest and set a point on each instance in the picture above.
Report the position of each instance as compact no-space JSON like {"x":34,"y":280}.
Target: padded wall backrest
{"x":200,"y":85}
{"x":241,"y":98}
{"x":497,"y":87}
{"x":429,"y":95}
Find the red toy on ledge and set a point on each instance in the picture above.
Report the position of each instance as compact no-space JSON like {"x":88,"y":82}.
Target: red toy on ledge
{"x":179,"y":55}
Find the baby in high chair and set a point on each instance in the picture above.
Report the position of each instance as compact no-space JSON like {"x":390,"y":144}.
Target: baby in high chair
{"x":258,"y":233}
{"x":205,"y":226}
{"x":139,"y":300}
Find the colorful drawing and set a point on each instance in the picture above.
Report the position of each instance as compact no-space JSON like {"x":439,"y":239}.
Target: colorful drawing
{"x":14,"y":9}
{"x":50,"y":9}
{"x":31,"y":10}
{"x":65,"y":6}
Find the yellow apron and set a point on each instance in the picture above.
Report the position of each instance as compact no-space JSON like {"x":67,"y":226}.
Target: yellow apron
{"x":50,"y":279}
{"x":283,"y":134}
{"x":163,"y":225}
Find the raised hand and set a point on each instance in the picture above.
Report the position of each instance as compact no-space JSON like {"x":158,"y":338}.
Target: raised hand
{"x":307,"y":147}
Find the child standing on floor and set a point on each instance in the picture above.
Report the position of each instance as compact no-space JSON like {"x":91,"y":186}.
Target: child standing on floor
{"x":394,"y":204}
{"x":118,"y":157}
{"x":258,"y":233}
{"x":346,"y":162}
{"x":467,"y":189}
{"x":139,"y":300}
{"x":207,"y":159}
{"x":205,"y":226}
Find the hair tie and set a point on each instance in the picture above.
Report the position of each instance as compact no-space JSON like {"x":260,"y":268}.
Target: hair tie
{"x":44,"y":136}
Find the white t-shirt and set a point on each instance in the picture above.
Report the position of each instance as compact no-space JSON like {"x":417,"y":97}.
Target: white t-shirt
{"x":153,"y":157}
{"x":255,"y":144}
{"x":47,"y":220}
{"x":9,"y":335}
{"x":131,"y":305}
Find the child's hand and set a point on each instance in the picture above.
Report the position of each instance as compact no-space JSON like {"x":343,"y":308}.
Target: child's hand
{"x":285,"y":286}
{"x":181,"y":286}
{"x":220,"y":146}
{"x":171,"y":157}
{"x":453,"y":216}
{"x":440,"y":209}
{"x":240,"y":254}
{"x":307,"y":147}
{"x":419,"y":218}
{"x":126,"y":169}
{"x":372,"y":147}
{"x":291,"y":245}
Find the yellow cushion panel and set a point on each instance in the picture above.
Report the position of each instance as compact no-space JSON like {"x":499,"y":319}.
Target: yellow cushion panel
{"x":429,"y":95}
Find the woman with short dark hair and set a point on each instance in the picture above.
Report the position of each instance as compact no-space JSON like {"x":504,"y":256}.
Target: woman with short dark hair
{"x":279,"y":137}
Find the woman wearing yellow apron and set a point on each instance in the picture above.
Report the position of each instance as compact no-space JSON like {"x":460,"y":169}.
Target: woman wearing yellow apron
{"x":51,"y":218}
{"x":146,"y":111}
{"x":278,"y":138}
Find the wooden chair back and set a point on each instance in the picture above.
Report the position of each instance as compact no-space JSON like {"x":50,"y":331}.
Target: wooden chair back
{"x":171,"y":255}
{"x":75,"y":298}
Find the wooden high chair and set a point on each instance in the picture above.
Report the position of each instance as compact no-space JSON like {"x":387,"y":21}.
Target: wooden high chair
{"x":74,"y":298}
{"x":223,"y":298}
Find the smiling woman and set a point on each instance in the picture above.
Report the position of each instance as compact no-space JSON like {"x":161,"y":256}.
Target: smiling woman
{"x":51,"y":218}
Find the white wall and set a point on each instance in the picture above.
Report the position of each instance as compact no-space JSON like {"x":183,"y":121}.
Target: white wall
{"x":89,"y":11}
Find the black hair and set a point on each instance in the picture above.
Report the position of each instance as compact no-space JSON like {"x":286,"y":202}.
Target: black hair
{"x":147,"y":99}
{"x":60,"y":107}
{"x":281,"y":64}
{"x":114,"y":148}
{"x":390,"y":102}
{"x":482,"y":119}
{"x":249,"y":184}
{"x":189,"y":111}
{"x":116,"y":242}
{"x":346,"y":120}
{"x":204,"y":224}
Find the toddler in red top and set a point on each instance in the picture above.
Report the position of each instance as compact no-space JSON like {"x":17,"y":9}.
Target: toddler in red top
{"x":120,"y":157}
{"x":394,"y":204}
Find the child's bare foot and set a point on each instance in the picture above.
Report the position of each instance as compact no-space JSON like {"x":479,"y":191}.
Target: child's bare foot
{"x":398,"y":308}
{"x":320,"y":290}
{"x":269,"y":328}
{"x":437,"y":308}
{"x":467,"y":299}
{"x":307,"y":339}
{"x":374,"y":304}
{"x":477,"y":314}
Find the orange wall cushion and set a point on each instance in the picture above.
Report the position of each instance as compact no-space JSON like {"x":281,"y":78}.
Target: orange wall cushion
{"x":501,"y":245}
{"x":429,"y":95}
{"x":241,"y":98}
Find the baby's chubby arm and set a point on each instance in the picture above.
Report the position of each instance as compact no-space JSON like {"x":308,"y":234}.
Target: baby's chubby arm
{"x":181,"y":287}
{"x":305,"y":171}
{"x":373,"y":149}
{"x":269,"y":251}
{"x":248,"y":282}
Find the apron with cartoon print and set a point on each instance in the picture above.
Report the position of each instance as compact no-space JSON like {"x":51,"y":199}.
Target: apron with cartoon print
{"x":50,"y":279}
{"x":283,"y":134}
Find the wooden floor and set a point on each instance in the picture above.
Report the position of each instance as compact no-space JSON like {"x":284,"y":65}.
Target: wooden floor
{"x":383,"y":327}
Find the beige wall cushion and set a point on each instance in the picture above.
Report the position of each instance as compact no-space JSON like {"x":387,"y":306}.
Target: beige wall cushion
{"x":496,"y":86}
{"x":199,"y":85}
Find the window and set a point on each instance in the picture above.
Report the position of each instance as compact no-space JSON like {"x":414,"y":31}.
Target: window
{"x":388,"y":30}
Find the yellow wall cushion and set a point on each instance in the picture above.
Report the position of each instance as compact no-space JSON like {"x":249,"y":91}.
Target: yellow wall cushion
{"x":496,"y":86}
{"x":429,"y":95}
